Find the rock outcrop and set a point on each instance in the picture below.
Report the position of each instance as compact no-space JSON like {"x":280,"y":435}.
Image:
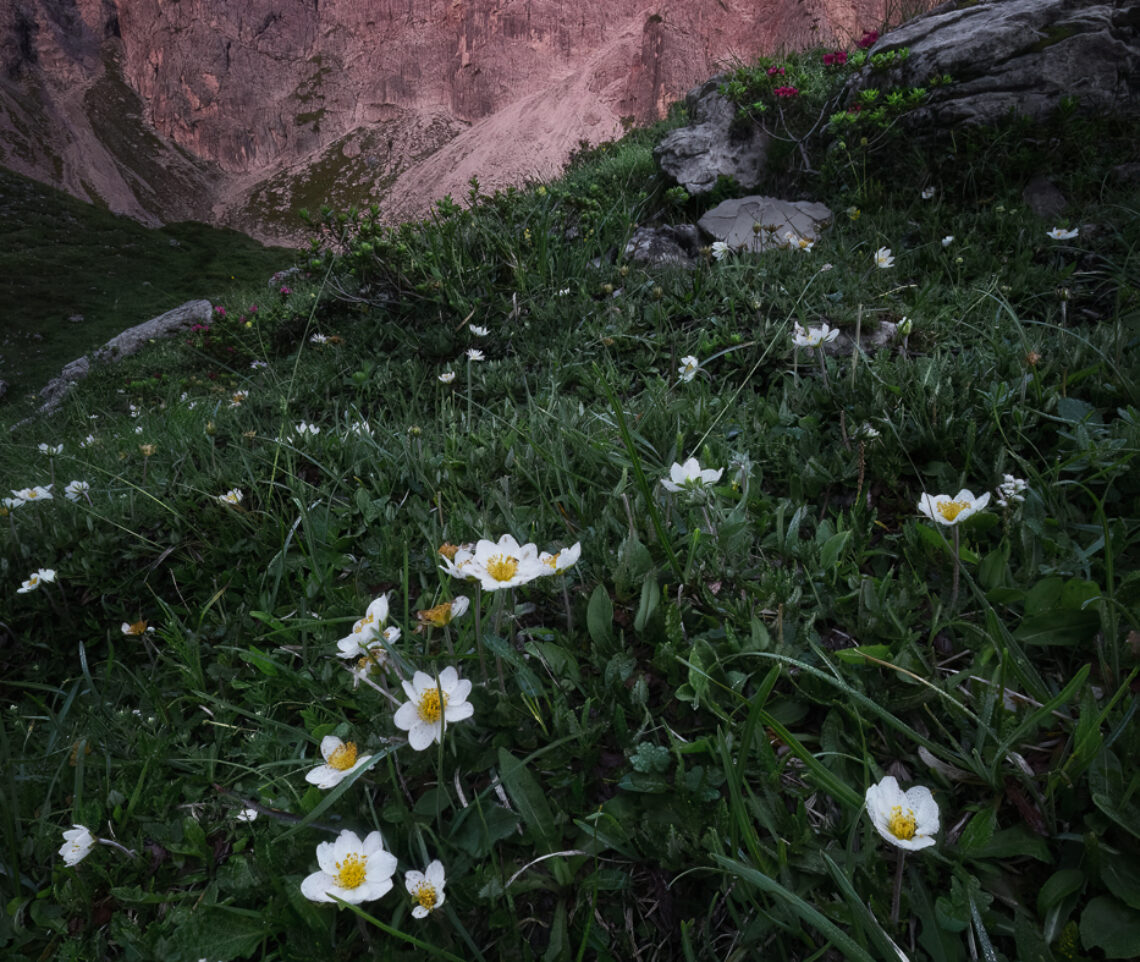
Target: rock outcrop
{"x":238,"y":113}
{"x":1024,"y":56}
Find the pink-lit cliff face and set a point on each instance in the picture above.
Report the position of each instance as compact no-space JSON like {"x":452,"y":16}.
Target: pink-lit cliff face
{"x":234,"y":112}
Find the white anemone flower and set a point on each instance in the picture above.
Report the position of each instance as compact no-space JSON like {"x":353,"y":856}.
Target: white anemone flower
{"x":814,"y":336}
{"x":884,"y":258}
{"x":927,"y":193}
{"x":75,"y":490}
{"x":50,"y":449}
{"x":477,"y":330}
{"x":561,"y":560}
{"x":689,"y":367}
{"x":907,"y":819}
{"x":952,"y":510}
{"x":689,"y":476}
{"x":433,"y":704}
{"x":304,"y":429}
{"x":136,"y":629}
{"x":35,"y":579}
{"x":720,"y":250}
{"x":234,"y":496}
{"x":365,"y":629}
{"x":474,"y":354}
{"x":11,"y":503}
{"x":238,"y":398}
{"x":426,"y":888}
{"x":443,"y":614}
{"x":1059,"y":233}
{"x":947,"y":240}
{"x":352,"y":870}
{"x":77,"y":844}
{"x":503,"y":563}
{"x":38,"y":493}
{"x":341,"y":760}
{"x":447,"y":377}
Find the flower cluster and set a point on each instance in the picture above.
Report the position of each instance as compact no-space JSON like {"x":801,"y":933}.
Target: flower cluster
{"x":1011,"y":490}
{"x":505,"y":563}
{"x":786,"y":91}
{"x":835,"y":59}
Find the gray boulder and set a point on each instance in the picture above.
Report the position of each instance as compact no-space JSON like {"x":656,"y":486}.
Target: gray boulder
{"x":759,"y":223}
{"x":133,"y":338}
{"x":1016,"y":55}
{"x":712,"y":146}
{"x":670,"y":246}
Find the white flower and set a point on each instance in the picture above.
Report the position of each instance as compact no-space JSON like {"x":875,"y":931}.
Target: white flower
{"x":720,"y":250}
{"x":44,"y":575}
{"x":477,"y":330}
{"x":50,"y":450}
{"x":75,"y":489}
{"x":561,"y":560}
{"x":867,"y":431}
{"x":433,"y":704}
{"x":374,"y":656}
{"x":361,"y":429}
{"x":952,"y":510}
{"x":794,"y":240}
{"x":947,"y":240}
{"x":447,"y":377}
{"x":927,"y":193}
{"x":884,"y":257}
{"x":38,"y":493}
{"x":1010,"y":490}
{"x":233,"y":496}
{"x":136,"y":629}
{"x":247,"y":815}
{"x":340,"y":761}
{"x":813,"y":336}
{"x":689,"y":367}
{"x":442,"y":614}
{"x":11,"y":502}
{"x":503,"y":563}
{"x":352,"y":870}
{"x":258,"y":364}
{"x":77,"y":844}
{"x":365,"y":629}
{"x":689,"y":476}
{"x":87,"y":441}
{"x":426,"y":888}
{"x":318,"y":339}
{"x":305,"y":429}
{"x":237,"y":398}
{"x":1059,"y":233}
{"x":907,"y":819}
{"x":474,"y":354}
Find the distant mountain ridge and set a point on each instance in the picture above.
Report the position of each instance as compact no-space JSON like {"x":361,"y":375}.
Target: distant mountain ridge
{"x":236,"y":114}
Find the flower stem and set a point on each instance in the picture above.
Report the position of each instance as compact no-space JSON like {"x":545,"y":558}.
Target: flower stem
{"x":957,"y":566}
{"x":896,"y":895}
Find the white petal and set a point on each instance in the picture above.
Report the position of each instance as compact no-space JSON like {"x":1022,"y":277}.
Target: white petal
{"x":421,"y":735}
{"x":315,"y":887}
{"x":413,"y":880}
{"x":329,"y":744}
{"x":458,"y":712}
{"x":407,"y":716}
{"x":326,"y":857}
{"x":448,"y":679}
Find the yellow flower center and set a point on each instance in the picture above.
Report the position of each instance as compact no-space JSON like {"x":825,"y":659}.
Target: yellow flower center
{"x":425,"y":895}
{"x":32,"y":495}
{"x":137,"y":628}
{"x":951,"y":509}
{"x":448,"y":551}
{"x":502,"y":567}
{"x":431,"y":705}
{"x":342,"y":759}
{"x":350,"y":873}
{"x":553,"y":561}
{"x":437,"y":617}
{"x":33,"y":579}
{"x":901,"y":824}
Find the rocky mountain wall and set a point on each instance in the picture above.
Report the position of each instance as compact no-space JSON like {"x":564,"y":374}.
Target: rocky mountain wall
{"x":216,"y":99}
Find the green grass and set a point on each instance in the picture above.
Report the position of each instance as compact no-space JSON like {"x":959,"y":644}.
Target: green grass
{"x":62,"y":258}
{"x":672,"y":739}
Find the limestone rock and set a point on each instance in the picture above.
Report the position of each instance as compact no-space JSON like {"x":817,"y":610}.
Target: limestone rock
{"x":759,"y":223}
{"x":710,"y":147}
{"x":1016,"y":55}
{"x":173,"y":321}
{"x":1043,"y":197}
{"x":671,"y":246}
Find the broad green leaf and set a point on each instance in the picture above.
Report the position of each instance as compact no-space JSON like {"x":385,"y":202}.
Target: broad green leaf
{"x":216,"y":933}
{"x":1059,"y":885}
{"x":1112,"y":927}
{"x":650,"y":599}
{"x":530,"y":801}
{"x":832,"y":549}
{"x":1121,"y":876}
{"x":600,"y":617}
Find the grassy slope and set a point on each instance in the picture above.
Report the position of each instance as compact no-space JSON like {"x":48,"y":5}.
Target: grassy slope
{"x":60,"y":257}
{"x":684,"y":711}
